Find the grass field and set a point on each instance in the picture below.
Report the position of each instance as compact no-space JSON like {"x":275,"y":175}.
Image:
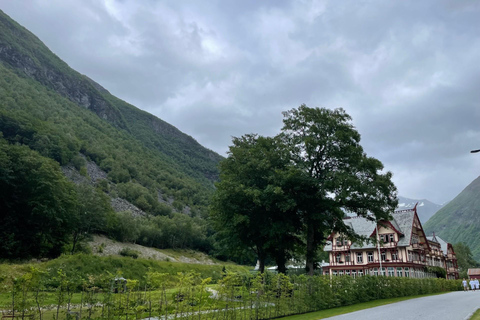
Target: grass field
{"x":476,"y":315}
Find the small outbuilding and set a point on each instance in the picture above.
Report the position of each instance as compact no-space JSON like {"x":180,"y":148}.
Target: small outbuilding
{"x":119,"y":284}
{"x":474,"y":273}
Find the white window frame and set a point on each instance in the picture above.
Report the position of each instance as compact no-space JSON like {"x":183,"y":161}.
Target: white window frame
{"x":399,"y":272}
{"x":391,"y":271}
{"x":359,"y":257}
{"x":370,"y":256}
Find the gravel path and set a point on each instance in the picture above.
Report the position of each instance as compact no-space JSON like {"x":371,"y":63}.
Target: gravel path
{"x":450,"y":306}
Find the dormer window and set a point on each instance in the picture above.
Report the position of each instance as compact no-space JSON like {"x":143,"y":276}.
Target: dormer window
{"x":341,"y":242}
{"x":386,"y":238}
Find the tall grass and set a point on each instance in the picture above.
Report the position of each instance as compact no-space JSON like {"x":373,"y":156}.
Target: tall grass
{"x":84,"y":265}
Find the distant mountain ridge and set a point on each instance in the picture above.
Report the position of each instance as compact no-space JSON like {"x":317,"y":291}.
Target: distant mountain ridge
{"x":459,"y":220}
{"x":425,"y":208}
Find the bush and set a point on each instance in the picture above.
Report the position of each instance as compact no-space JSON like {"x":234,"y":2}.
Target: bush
{"x":127,"y":252}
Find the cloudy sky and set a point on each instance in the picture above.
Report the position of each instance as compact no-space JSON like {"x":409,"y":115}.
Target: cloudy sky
{"x":408,"y":72}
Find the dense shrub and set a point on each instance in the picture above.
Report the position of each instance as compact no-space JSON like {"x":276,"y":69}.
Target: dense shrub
{"x":127,"y":252}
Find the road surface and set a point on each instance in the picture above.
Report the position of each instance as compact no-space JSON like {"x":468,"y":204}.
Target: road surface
{"x":457,"y":305}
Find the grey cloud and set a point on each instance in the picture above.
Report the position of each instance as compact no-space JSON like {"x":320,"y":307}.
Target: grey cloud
{"x":407,"y":71}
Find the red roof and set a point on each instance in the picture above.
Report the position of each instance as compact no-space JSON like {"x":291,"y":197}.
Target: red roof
{"x":474,"y":272}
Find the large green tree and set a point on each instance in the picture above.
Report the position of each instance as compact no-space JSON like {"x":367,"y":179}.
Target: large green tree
{"x":296,"y":187}
{"x":325,"y":147}
{"x":90,"y":216}
{"x":464,"y":259}
{"x":252,"y":207}
{"x":36,"y":204}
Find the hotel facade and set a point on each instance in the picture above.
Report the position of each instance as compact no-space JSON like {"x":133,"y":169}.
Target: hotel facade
{"x":403,"y":250}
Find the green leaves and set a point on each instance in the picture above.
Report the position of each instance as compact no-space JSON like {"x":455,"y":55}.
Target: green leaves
{"x":36,"y":204}
{"x":295,"y":187}
{"x":251,"y":206}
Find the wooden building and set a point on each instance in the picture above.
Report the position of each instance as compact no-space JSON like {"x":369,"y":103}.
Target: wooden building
{"x":403,"y":250}
{"x":474,"y":273}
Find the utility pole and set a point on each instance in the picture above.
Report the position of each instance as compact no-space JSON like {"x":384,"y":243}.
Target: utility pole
{"x":378,"y":246}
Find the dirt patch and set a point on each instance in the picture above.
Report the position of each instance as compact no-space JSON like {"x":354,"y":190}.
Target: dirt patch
{"x":103,"y":246}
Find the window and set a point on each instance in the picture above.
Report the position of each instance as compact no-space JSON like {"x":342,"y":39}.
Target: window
{"x":341,"y":241}
{"x":410,"y":256}
{"x":375,"y":271}
{"x":360,"y":273}
{"x":338,"y":258}
{"x":382,"y":271}
{"x":407,"y":272}
{"x":347,"y":272}
{"x":359,"y":257}
{"x":392,"y":237}
{"x":399,"y":272}
{"x":395,"y":255}
{"x":370,"y":256}
{"x":414,"y":238}
{"x":334,"y":273}
{"x":391,"y":272}
{"x":340,"y":273}
{"x":383,"y":238}
{"x":354,"y":273}
{"x":347,"y":257}
{"x":383,"y":255}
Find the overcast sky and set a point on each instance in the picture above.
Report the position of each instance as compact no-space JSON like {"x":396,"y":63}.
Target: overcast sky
{"x":408,"y":72}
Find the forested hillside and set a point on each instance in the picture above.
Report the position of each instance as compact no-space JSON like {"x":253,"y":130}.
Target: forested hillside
{"x":459,"y":220}
{"x":53,"y":117}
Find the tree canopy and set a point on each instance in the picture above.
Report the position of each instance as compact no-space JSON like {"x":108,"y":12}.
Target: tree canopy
{"x":296,"y":187}
{"x":464,"y":259}
{"x":36,"y":202}
{"x":251,"y":208}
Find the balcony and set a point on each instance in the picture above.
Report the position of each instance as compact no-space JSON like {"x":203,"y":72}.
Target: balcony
{"x":392,"y":244}
{"x":418,"y":245}
{"x":342,"y":263}
{"x":340,"y":248}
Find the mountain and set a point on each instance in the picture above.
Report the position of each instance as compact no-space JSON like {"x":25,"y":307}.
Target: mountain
{"x":459,"y":220}
{"x":54,"y":121}
{"x":425,"y":208}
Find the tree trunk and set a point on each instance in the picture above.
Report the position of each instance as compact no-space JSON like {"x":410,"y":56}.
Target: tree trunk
{"x":261,"y":260}
{"x":281,"y":261}
{"x":74,"y":241}
{"x":310,"y":256}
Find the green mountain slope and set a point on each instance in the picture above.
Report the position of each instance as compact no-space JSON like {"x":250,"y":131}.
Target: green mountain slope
{"x":57,"y":113}
{"x":21,"y":51}
{"x":459,"y":220}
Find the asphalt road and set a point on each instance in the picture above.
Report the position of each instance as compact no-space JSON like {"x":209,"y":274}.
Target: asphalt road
{"x":450,"y":306}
